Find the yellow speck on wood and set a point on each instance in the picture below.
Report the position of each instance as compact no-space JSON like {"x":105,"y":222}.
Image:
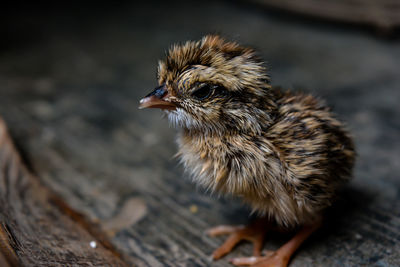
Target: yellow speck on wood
{"x":193,"y":208}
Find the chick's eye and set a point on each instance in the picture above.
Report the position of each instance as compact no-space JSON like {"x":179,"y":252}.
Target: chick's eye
{"x":202,"y":93}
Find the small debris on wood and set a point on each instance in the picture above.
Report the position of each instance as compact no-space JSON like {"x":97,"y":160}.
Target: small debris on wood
{"x":93,"y":244}
{"x":193,"y":209}
{"x":133,"y":210}
{"x":358,"y":236}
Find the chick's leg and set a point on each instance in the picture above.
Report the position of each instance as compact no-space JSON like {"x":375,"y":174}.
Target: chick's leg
{"x":282,"y":256}
{"x":254,"y":233}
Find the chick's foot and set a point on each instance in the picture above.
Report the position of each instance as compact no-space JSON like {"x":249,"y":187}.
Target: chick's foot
{"x":272,"y":260}
{"x":254,"y":233}
{"x":281,"y":257}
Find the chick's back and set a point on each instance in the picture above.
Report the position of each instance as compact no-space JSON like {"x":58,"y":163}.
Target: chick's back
{"x":315,"y":150}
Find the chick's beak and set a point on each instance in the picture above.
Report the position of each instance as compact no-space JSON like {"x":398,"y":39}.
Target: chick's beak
{"x":159,"y":98}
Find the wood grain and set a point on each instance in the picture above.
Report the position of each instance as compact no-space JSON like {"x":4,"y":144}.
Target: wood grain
{"x":382,"y":15}
{"x":39,"y":229}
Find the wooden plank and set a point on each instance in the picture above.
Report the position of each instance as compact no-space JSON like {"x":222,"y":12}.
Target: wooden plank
{"x":39,"y":229}
{"x":382,"y":15}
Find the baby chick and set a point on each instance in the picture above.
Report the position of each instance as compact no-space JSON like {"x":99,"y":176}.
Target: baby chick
{"x":283,"y":153}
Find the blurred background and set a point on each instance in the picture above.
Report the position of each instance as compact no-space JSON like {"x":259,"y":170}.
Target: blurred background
{"x":71,"y":76}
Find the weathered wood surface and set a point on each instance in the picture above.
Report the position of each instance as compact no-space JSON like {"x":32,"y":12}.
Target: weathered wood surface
{"x":37,"y":228}
{"x":70,"y":81}
{"x":382,"y":15}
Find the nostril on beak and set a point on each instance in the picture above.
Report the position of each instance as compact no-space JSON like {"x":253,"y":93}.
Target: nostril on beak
{"x":157,"y":99}
{"x":158,"y":92}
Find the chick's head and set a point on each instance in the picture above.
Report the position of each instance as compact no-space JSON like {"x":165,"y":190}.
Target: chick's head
{"x":212,"y":85}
